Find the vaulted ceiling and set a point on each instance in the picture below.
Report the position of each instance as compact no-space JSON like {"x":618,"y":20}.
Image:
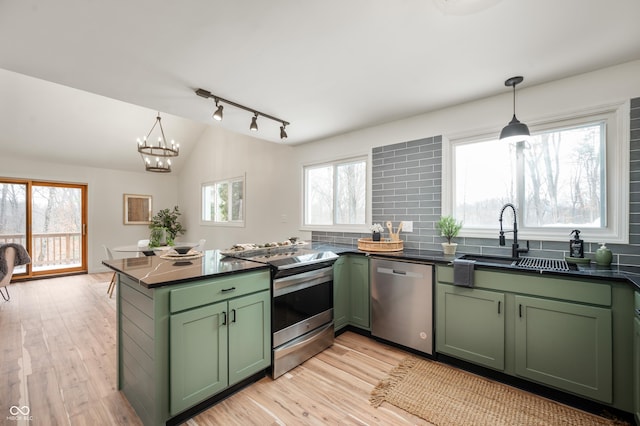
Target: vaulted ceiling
{"x":328,"y":67}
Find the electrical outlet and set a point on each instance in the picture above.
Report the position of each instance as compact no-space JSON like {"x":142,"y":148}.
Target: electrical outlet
{"x":284,"y":218}
{"x":407,"y":226}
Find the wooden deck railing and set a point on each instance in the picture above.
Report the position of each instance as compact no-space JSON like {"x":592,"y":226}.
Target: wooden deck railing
{"x":50,"y":250}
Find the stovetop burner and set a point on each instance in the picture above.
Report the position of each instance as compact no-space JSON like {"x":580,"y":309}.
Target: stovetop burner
{"x":286,"y":258}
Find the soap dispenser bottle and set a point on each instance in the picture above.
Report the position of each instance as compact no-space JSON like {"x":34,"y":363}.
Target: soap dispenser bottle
{"x":603,"y":256}
{"x":576,"y":245}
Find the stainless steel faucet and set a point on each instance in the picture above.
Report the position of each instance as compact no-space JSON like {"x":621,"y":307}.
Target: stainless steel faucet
{"x":515,"y":249}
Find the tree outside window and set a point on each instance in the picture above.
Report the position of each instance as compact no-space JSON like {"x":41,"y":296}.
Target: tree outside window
{"x":223,"y":202}
{"x":335,"y":193}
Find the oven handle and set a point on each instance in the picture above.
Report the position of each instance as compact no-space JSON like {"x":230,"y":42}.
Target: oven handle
{"x":303,"y":340}
{"x":282,"y":286}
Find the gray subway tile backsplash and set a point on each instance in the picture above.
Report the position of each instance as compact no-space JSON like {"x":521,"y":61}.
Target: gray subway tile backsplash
{"x":407,"y":185}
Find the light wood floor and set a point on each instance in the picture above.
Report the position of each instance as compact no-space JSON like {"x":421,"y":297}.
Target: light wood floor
{"x":58,"y":357}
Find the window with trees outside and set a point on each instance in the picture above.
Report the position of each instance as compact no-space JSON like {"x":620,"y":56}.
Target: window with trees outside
{"x":335,"y":193}
{"x":223,"y":202}
{"x":561,"y":178}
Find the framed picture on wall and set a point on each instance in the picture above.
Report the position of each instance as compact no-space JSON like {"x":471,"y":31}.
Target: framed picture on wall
{"x":137,"y":209}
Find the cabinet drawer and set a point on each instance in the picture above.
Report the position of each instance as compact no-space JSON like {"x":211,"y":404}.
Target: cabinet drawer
{"x":216,"y":289}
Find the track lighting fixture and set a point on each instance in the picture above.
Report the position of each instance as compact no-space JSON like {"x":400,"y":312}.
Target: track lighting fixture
{"x":161,"y":150}
{"x":515,"y":131}
{"x":218,"y":114}
{"x":254,"y":120}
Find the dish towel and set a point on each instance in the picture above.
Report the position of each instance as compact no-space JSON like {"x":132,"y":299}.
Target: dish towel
{"x":463,"y":272}
{"x":21,"y":258}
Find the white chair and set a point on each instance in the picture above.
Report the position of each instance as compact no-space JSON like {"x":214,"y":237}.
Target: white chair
{"x":112,"y":283}
{"x":142,"y":243}
{"x":200,"y":246}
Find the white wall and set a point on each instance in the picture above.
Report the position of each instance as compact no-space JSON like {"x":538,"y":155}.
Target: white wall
{"x":273,"y":171}
{"x":533,"y":104}
{"x":106,"y":188}
{"x":272,"y":188}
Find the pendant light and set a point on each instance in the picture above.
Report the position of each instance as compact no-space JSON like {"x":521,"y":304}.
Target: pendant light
{"x":515,"y":131}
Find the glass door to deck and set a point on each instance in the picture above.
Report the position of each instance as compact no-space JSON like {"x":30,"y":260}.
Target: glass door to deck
{"x":49,"y":220}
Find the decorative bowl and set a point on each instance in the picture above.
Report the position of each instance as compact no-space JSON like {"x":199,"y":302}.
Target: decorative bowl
{"x":182,"y":249}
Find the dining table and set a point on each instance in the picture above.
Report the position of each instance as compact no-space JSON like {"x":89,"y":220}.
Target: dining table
{"x":150,"y":251}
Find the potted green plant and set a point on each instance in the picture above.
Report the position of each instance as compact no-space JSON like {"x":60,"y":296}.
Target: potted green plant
{"x":166,"y":220}
{"x":449,"y":228}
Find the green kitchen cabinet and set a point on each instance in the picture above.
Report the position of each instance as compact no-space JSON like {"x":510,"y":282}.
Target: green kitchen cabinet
{"x":180,"y":344}
{"x":470,"y":325}
{"x":565,"y":345}
{"x":198,"y":355}
{"x":341,"y":298}
{"x":351,"y":292}
{"x":636,"y":358}
{"x":570,"y":333}
{"x":359,"y":292}
{"x":216,"y":346}
{"x":249,"y":335}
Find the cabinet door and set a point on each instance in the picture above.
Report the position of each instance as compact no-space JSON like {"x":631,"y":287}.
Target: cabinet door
{"x":470,"y":325}
{"x":359,"y":292}
{"x":340,"y":293}
{"x":636,"y":367}
{"x":249,"y":335}
{"x":565,"y":345}
{"x":198,"y":349}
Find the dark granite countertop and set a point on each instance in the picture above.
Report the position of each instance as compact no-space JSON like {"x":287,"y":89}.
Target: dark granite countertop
{"x":620,"y":273}
{"x":153,"y":271}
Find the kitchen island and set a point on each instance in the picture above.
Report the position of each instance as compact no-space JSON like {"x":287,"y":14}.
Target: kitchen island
{"x":189,"y":331}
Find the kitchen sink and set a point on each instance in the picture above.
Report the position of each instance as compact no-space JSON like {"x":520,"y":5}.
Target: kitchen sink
{"x":490,"y":260}
{"x":528,"y":263}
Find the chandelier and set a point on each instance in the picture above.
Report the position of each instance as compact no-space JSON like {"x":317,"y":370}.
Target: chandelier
{"x":156,"y":157}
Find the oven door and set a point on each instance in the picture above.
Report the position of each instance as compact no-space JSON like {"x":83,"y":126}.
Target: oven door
{"x":301,"y":303}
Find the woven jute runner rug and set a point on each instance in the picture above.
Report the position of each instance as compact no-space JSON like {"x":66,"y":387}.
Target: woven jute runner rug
{"x":445,"y":395}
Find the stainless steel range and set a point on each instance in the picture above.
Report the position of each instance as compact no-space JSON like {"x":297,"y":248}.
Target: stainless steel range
{"x":302,"y":303}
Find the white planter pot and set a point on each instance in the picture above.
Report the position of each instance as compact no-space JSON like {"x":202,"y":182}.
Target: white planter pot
{"x":449,"y":248}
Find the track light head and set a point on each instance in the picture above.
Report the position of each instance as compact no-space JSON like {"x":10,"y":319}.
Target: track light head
{"x":218,"y":114}
{"x":254,"y":123}
{"x":283,"y":132}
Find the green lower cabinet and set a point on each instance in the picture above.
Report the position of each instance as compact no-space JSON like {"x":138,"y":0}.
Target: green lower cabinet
{"x":341,"y":298}
{"x":359,"y":292}
{"x":216,"y":346}
{"x":249,"y":335}
{"x":351,"y":292}
{"x":198,"y":355}
{"x":470,"y":325}
{"x":564,"y":345}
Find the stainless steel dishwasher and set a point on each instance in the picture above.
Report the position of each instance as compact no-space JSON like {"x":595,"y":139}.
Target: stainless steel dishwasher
{"x":402,"y":303}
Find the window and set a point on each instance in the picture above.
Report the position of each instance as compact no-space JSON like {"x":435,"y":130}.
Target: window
{"x":335,"y":193}
{"x":223,"y":202}
{"x":568,"y":175}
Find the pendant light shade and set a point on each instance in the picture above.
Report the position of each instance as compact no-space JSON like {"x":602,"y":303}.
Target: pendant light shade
{"x":515,"y":131}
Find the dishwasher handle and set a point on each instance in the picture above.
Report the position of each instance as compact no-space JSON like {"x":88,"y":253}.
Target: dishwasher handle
{"x":398,"y":272}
